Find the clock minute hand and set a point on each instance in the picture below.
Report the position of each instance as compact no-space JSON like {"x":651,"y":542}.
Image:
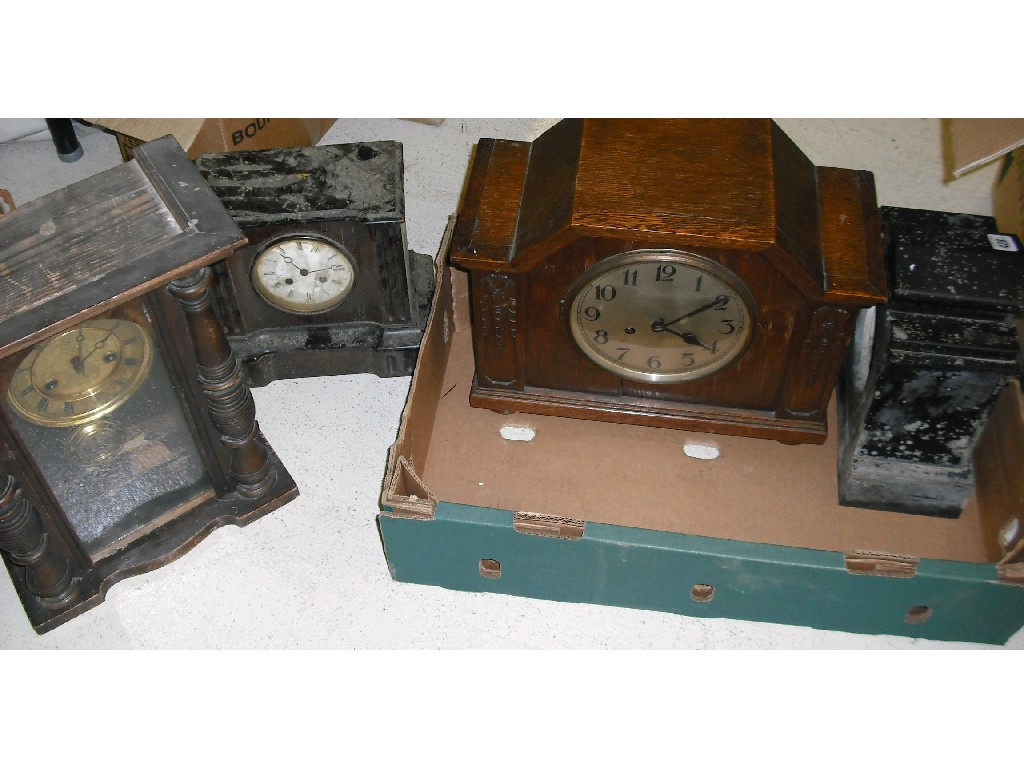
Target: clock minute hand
{"x":719,"y":301}
{"x":98,"y":345}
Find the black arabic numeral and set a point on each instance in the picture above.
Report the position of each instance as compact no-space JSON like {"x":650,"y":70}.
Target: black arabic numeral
{"x":605,"y":292}
{"x":601,"y":337}
{"x":654,"y":362}
{"x":729,"y":327}
{"x":629,"y":277}
{"x":665,"y":274}
{"x":592,"y":313}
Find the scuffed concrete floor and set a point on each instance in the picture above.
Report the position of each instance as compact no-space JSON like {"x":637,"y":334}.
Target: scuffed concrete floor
{"x":313,"y":574}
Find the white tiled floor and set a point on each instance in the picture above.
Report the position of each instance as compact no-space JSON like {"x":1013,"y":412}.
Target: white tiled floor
{"x":313,"y":574}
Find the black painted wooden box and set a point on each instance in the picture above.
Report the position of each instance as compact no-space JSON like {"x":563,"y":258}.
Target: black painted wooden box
{"x":925,"y":369}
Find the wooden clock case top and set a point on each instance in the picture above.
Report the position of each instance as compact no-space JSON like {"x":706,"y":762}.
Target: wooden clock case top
{"x":136,"y":241}
{"x":349,"y":194}
{"x":804,"y":239}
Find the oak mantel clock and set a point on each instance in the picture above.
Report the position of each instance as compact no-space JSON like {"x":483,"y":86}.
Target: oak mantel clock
{"x":326,"y":284}
{"x":694,"y":274}
{"x":127,"y":430}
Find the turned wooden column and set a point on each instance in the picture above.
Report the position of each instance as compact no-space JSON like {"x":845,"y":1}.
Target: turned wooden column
{"x":222,"y":378}
{"x":48,"y":574}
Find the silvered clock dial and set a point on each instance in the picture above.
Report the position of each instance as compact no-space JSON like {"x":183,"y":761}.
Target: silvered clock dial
{"x":660,"y":315}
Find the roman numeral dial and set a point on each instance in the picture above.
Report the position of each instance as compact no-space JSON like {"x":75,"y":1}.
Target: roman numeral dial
{"x":303,"y":275}
{"x":82,"y":373}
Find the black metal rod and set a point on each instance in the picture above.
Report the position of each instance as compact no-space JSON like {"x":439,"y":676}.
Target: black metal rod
{"x":64,"y":139}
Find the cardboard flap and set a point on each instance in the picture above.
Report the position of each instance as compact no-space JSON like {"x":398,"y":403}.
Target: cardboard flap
{"x":976,"y":141}
{"x":184,"y":129}
{"x":1012,"y":573}
{"x":406,"y":494}
{"x":548,"y":525}
{"x":999,"y":477}
{"x":881,"y":564}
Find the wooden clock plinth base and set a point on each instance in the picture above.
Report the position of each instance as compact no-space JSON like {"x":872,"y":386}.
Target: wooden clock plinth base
{"x":165,"y":544}
{"x":670,"y":415}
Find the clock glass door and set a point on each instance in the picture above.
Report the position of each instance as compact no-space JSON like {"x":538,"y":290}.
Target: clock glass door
{"x":94,"y":407}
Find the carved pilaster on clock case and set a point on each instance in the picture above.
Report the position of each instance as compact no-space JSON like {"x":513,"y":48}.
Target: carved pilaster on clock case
{"x":497,"y":320}
{"x":48,"y":574}
{"x":815,"y":368}
{"x":220,"y":373}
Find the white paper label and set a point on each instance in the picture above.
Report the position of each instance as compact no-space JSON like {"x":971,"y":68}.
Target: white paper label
{"x":1004,"y":242}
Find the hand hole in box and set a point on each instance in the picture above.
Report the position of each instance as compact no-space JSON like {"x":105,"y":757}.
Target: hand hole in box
{"x":702,"y":451}
{"x":702,"y":593}
{"x":490,"y":569}
{"x":1009,"y":534}
{"x":918,"y":614}
{"x":518,"y":433}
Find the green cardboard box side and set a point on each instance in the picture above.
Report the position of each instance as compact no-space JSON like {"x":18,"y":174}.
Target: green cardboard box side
{"x":433,"y":535}
{"x":657,"y":571}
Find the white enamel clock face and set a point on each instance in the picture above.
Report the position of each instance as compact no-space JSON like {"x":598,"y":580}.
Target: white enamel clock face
{"x":660,"y":316}
{"x":305,"y":275}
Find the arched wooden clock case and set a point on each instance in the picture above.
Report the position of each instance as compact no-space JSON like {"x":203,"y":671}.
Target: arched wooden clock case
{"x":734,"y":201}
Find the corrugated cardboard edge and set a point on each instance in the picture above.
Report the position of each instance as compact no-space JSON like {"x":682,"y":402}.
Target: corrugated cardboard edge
{"x":977,"y":141}
{"x":864,"y":563}
{"x":404,"y":493}
{"x":548,"y":525}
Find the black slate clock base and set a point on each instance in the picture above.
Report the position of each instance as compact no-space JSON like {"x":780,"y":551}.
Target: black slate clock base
{"x":383,"y":349}
{"x":925,"y":372}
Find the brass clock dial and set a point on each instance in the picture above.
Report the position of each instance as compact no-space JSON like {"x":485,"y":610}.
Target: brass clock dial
{"x":82,"y":373}
{"x":305,"y":275}
{"x":660,"y":315}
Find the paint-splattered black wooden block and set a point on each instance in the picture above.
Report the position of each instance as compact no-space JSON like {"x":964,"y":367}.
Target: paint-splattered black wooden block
{"x":925,"y":369}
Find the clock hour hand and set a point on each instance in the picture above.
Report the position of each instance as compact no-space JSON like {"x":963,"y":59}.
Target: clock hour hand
{"x":718,"y":302}
{"x":77,"y":363}
{"x":659,"y":326}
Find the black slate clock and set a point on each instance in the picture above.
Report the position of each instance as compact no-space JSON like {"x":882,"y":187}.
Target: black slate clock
{"x":326,"y":284}
{"x":927,"y":367}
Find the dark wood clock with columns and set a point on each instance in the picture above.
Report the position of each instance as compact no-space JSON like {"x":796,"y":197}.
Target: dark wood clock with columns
{"x":694,"y":274}
{"x":127,"y":429}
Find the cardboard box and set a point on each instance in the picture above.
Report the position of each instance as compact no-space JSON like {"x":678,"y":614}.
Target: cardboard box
{"x":620,"y":515}
{"x":1008,"y":199}
{"x":198,"y":136}
{"x":975,"y":142}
